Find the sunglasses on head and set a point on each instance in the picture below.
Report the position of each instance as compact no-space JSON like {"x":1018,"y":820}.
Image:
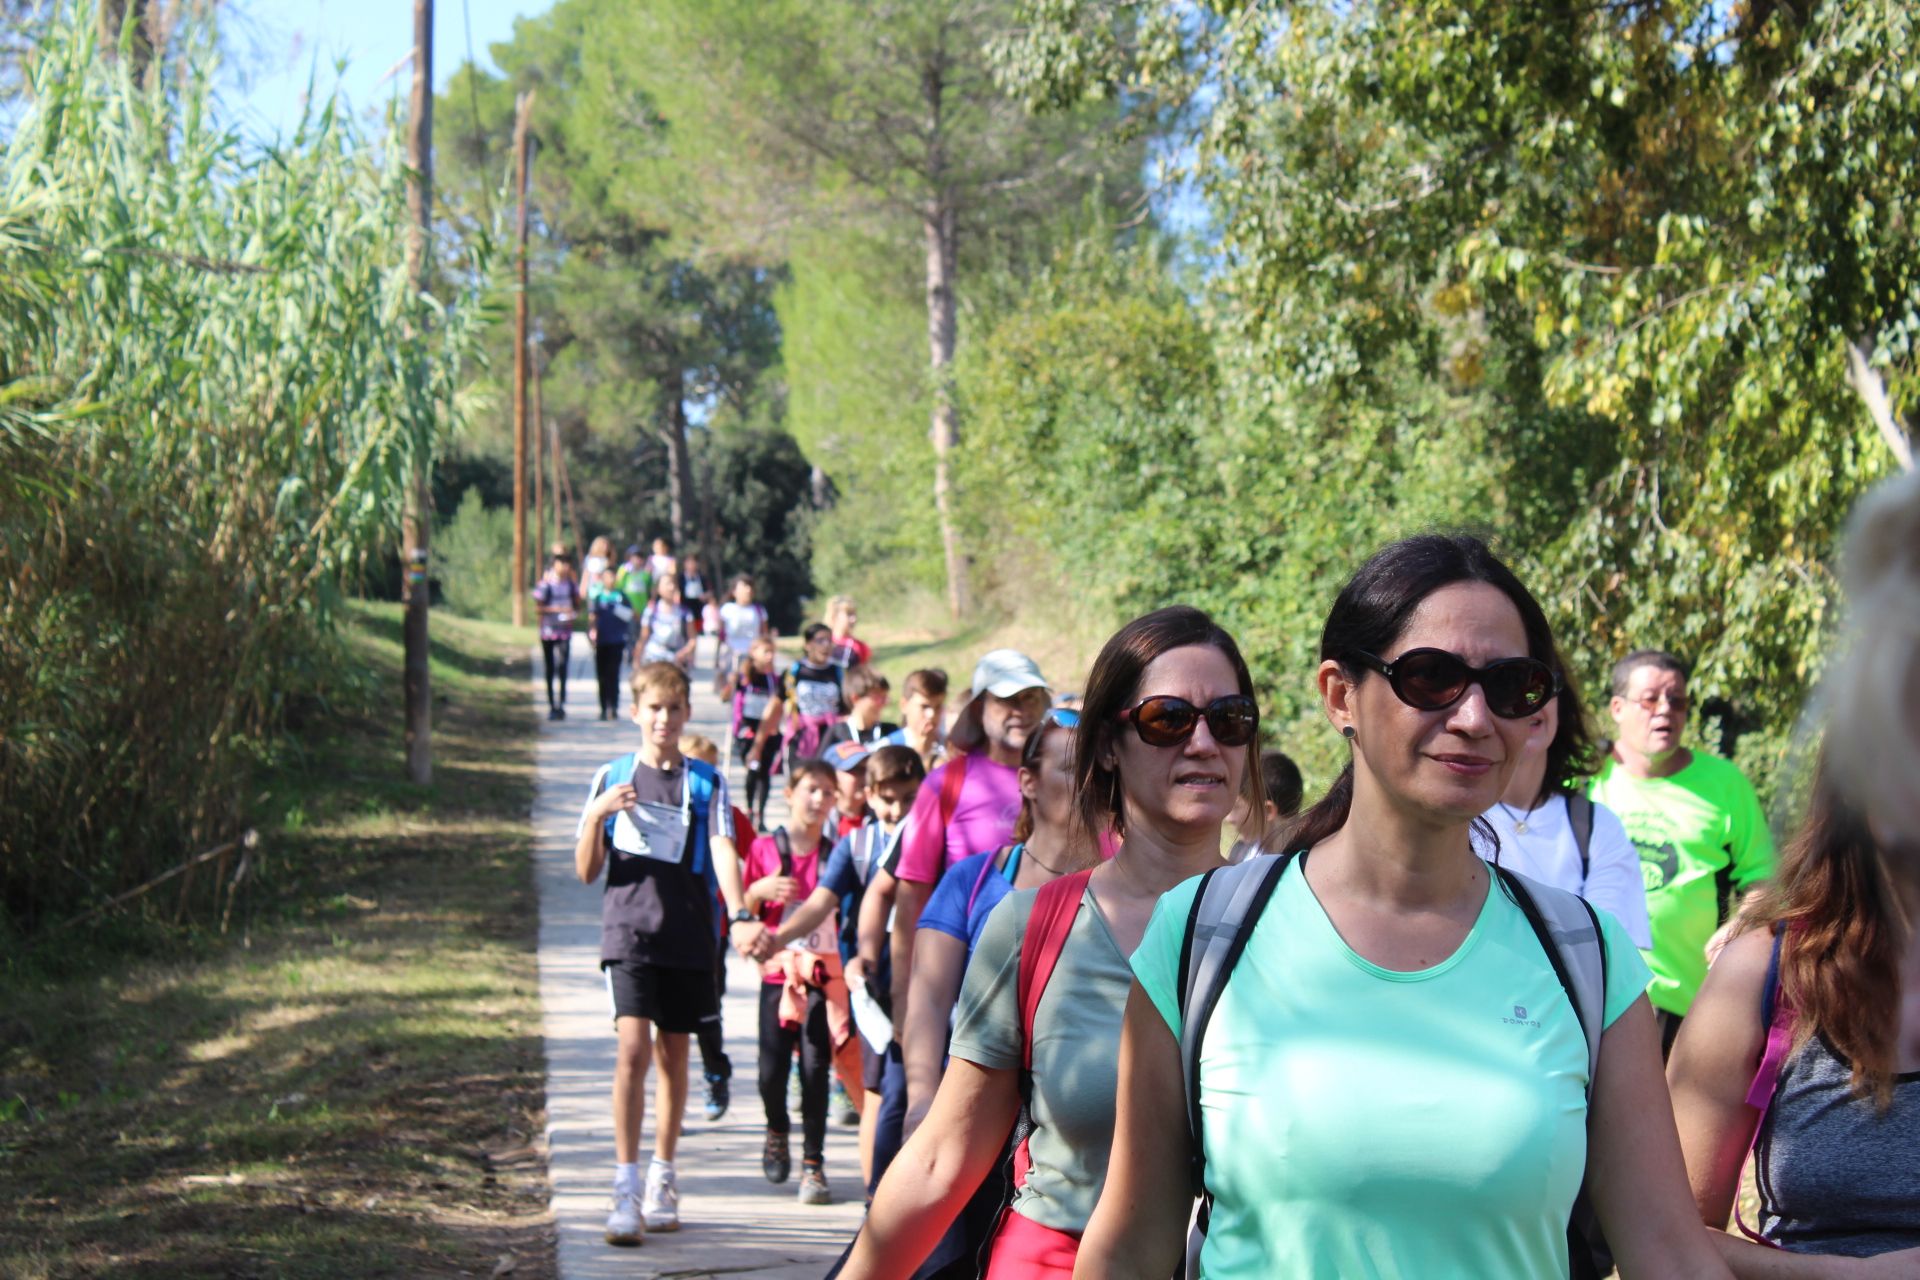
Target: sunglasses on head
{"x":1065,"y":717}
{"x":1433,"y":680}
{"x":1168,"y":721}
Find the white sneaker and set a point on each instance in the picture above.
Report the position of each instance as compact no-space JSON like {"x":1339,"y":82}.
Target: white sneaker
{"x":661,"y":1205}
{"x":623,"y":1224}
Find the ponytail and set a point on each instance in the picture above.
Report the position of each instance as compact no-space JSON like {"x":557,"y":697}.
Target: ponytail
{"x":1327,"y":816}
{"x":1331,"y":813}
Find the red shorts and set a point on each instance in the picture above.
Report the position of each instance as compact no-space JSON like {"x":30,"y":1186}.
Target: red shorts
{"x":1025,"y":1250}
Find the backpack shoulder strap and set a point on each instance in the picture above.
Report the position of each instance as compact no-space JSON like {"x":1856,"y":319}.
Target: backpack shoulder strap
{"x":784,"y":844}
{"x":1777,"y":1016}
{"x":1053,"y":910}
{"x":701,"y":778}
{"x":618,"y":770}
{"x":987,"y":870}
{"x":951,"y":783}
{"x":864,"y":848}
{"x":1569,"y":932}
{"x":1225,"y":908}
{"x":1580,"y":818}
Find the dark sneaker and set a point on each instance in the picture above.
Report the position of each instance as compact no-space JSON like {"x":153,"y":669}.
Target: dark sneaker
{"x":813,"y":1185}
{"x":559,"y":713}
{"x":719,"y":1094}
{"x":774,"y":1160}
{"x":553,"y":713}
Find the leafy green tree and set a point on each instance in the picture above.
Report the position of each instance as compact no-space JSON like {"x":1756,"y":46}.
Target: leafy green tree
{"x":1655,"y":261}
{"x":763,"y":505}
{"x":857,"y":400}
{"x":879,"y":118}
{"x":642,"y":330}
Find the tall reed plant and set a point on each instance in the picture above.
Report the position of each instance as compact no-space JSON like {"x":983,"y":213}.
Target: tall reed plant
{"x":215,"y":381}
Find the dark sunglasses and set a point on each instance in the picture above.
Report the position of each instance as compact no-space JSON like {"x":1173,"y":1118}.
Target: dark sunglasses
{"x":1065,"y":717}
{"x":1433,"y":680}
{"x":1170,"y":721}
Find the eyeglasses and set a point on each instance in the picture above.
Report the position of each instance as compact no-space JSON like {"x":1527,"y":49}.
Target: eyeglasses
{"x":1170,"y":722}
{"x":1650,"y":702}
{"x":1433,"y":680}
{"x":1065,"y":717}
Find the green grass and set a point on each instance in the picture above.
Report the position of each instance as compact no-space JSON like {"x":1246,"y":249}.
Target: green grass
{"x":310,"y":1094}
{"x":1064,"y":645}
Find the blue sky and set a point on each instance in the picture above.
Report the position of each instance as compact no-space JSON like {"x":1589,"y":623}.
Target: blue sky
{"x":278,"y":44}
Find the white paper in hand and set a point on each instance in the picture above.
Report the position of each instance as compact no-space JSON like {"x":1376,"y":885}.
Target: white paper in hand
{"x":874,"y":1024}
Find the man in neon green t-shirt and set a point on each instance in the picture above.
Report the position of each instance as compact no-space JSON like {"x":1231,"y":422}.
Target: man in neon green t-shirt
{"x":635,"y":582}
{"x":1694,"y":818}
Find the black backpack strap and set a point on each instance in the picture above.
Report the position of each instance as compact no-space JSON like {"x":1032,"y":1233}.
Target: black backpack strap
{"x":1226,"y":906}
{"x":1580,"y":818}
{"x":1770,"y":993}
{"x":784,"y":843}
{"x":1569,"y":932}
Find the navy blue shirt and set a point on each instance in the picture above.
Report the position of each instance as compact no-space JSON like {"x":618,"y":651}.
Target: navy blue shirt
{"x":612,"y":618}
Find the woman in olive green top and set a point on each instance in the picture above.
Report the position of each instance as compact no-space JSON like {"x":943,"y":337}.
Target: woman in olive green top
{"x":1163,"y":753}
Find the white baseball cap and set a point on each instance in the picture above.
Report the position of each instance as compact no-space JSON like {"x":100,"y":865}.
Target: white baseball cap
{"x":1006,"y":672}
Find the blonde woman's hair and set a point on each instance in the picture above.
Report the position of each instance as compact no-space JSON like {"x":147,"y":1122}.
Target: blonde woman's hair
{"x":700,"y":748}
{"x":1872,"y":690}
{"x":601,"y":546}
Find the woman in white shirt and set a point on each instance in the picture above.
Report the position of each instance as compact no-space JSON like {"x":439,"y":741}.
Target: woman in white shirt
{"x":1534,"y":820}
{"x":599,"y":556}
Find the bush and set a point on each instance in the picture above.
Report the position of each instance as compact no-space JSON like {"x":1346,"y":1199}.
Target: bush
{"x":473,"y":551}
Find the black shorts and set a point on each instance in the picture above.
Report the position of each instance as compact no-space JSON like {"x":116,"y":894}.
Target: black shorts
{"x":872,"y":1065}
{"x":673,"y":1000}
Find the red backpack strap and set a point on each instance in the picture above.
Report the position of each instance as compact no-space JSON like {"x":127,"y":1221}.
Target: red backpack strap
{"x":1778,"y":1015}
{"x":951,"y":782}
{"x":1046,"y":937}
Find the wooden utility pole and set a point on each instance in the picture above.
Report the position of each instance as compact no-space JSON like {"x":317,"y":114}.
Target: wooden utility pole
{"x":417,"y":531}
{"x":537,"y":460}
{"x":522,"y":113}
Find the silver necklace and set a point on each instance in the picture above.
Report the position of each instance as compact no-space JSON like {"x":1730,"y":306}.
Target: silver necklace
{"x":1519,"y":821}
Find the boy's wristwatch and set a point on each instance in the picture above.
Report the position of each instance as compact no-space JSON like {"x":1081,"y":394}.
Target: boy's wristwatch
{"x":742,"y":916}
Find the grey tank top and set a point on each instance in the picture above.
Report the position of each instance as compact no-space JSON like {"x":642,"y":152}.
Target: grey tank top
{"x":1837,"y":1176}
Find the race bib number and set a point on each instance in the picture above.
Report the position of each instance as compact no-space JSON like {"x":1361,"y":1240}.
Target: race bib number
{"x":817,"y":698}
{"x":824,"y":940}
{"x":656,"y":831}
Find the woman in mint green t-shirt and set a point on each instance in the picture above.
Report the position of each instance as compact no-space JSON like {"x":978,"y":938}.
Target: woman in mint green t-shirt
{"x":1393,"y":1083}
{"x":1163,"y":751}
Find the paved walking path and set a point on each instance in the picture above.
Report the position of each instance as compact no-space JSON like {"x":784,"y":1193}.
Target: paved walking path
{"x":732,"y":1221}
